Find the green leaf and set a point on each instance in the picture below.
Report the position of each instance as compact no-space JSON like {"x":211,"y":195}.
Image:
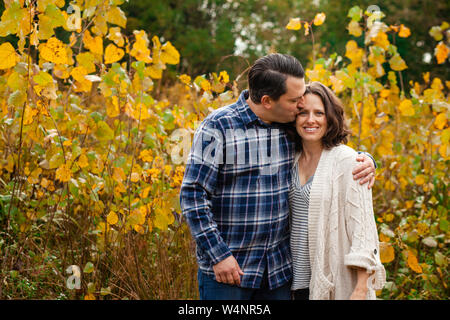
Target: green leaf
{"x":56,"y":161}
{"x":55,"y":14}
{"x":43,"y":78}
{"x":17,"y":98}
{"x":436,"y":33}
{"x":443,"y":225}
{"x":440,"y":259}
{"x":104,"y":132}
{"x":11,"y":17}
{"x":355,"y":13}
{"x":397,"y":63}
{"x":105,"y":291}
{"x":73,"y":187}
{"x":88,"y":268}
{"x":139,"y":66}
{"x":96,"y":116}
{"x":91,"y":287}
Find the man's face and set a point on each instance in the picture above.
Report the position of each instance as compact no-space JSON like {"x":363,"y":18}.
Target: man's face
{"x":288,"y":105}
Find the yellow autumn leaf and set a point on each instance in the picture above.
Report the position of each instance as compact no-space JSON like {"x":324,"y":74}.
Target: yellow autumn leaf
{"x":354,"y":28}
{"x":139,"y":228}
{"x":146,"y":155}
{"x":441,"y":52}
{"x":89,"y":296}
{"x":86,"y":60}
{"x":387,"y":253}
{"x":116,"y":16}
{"x":145,"y":192}
{"x":112,"y":218}
{"x":140,"y":48}
{"x":444,"y":151}
{"x":224,"y":77}
{"x":319,"y":19}
{"x":83,"y":161}
{"x":8,"y":56}
{"x":381,"y":40}
{"x":29,"y":114}
{"x":78,"y":73}
{"x":420,"y":179}
{"x":113,"y":53}
{"x":134,"y":177}
{"x":354,"y":53}
{"x":397,"y":63}
{"x":163,"y":218}
{"x":154,"y":71}
{"x":441,"y":120}
{"x":406,"y":108}
{"x":63,"y":173}
{"x":445,"y":136}
{"x":404,"y":32}
{"x":116,"y":36}
{"x":185,"y":79}
{"x":54,"y":50}
{"x":205,"y":85}
{"x":169,"y":54}
{"x":61,"y":71}
{"x":294,"y":24}
{"x":137,"y":217}
{"x":94,"y":44}
{"x":119,"y":174}
{"x":306,"y":26}
{"x":413,"y":263}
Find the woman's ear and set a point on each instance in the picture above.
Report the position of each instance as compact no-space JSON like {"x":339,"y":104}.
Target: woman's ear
{"x":266,"y":102}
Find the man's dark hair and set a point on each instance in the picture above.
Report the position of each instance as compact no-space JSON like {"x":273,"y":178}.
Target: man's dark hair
{"x":268,"y":75}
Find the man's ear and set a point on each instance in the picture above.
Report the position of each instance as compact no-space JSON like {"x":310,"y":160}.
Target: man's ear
{"x":266,"y":102}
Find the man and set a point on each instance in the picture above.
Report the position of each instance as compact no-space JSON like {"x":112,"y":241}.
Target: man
{"x":235,"y":188}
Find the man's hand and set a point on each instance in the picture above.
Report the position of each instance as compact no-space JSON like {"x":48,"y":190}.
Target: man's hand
{"x":228,"y":271}
{"x":365,"y":171}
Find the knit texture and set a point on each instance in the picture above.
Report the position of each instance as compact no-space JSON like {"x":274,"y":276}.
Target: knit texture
{"x":342,"y":229}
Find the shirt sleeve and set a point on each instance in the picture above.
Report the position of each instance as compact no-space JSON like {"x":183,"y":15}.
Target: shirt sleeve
{"x":363,"y":234}
{"x":199,"y":184}
{"x":370,"y":156}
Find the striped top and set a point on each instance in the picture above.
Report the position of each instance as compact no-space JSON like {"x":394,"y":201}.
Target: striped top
{"x":299,"y":202}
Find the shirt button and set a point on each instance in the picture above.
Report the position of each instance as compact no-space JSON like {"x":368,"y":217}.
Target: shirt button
{"x":375,"y":251}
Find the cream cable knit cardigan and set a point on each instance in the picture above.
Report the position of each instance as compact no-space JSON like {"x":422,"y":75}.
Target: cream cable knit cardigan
{"x":341,"y":229}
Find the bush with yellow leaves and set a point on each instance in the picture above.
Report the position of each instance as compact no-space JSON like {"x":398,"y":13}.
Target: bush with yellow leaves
{"x":92,"y":147}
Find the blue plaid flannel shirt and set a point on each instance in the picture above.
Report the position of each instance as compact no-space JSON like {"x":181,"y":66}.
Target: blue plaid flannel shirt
{"x":234,"y":194}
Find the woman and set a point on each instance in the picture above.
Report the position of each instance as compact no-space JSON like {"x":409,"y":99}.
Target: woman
{"x":334,"y":240}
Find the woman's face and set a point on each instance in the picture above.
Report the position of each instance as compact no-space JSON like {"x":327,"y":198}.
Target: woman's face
{"x":311,"y":122}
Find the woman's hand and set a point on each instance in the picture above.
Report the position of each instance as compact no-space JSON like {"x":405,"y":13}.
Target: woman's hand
{"x":359,"y":294}
{"x":360,"y":291}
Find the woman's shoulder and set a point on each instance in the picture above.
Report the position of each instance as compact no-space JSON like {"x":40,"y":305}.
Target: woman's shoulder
{"x":343,"y":152}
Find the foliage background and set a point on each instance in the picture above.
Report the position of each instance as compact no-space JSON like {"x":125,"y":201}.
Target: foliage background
{"x":97,"y":115}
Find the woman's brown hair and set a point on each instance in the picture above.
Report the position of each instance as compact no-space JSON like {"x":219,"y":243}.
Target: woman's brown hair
{"x":337,"y":130}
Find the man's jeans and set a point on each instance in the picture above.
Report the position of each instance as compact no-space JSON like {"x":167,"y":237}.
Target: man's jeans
{"x":210,"y":289}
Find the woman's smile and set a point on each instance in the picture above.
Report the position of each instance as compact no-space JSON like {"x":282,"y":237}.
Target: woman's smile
{"x":311,"y":121}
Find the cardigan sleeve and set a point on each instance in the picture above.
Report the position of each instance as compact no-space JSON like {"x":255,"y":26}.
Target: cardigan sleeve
{"x":362,"y":232}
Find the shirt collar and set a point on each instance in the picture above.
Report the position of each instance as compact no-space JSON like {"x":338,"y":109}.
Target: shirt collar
{"x":246,"y":113}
